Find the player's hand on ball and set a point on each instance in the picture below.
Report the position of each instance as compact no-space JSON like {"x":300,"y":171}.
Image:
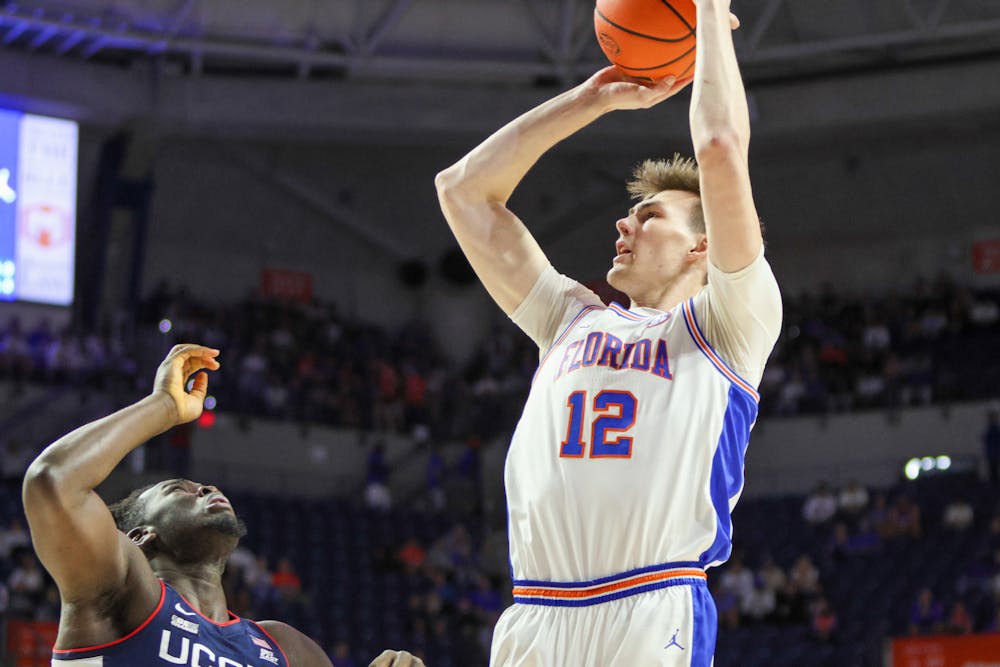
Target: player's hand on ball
{"x":181,"y":363}
{"x":616,"y":90}
{"x":397,"y":659}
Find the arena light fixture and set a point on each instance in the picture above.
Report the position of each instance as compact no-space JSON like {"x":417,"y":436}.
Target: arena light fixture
{"x":916,"y":466}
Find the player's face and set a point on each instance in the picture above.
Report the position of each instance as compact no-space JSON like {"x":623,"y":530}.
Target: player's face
{"x":654,"y":243}
{"x":177,"y":506}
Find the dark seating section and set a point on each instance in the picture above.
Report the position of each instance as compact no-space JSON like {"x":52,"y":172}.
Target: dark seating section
{"x":872,"y":594}
{"x":355,"y":590}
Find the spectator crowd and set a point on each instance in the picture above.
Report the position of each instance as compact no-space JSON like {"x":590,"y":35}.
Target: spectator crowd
{"x":306,"y":362}
{"x":840,"y":352}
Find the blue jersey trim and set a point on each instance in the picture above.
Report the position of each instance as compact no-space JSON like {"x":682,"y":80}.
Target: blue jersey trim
{"x":706,"y":624}
{"x":510,"y":551}
{"x":697,"y":335}
{"x":726,"y":477}
{"x":626,"y":314}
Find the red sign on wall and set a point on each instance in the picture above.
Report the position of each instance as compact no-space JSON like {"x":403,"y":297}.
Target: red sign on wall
{"x":286,"y":285}
{"x":30,"y":642}
{"x":965,"y":651}
{"x":986,"y":256}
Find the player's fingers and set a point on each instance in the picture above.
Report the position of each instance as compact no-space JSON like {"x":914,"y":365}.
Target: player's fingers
{"x":734,"y":21}
{"x":193,"y":365}
{"x":609,"y":73}
{"x":404,"y":659}
{"x":199,"y":386}
{"x":384,"y":659}
{"x":184,"y":349}
{"x":189,"y":350}
{"x":649,"y":93}
{"x":681,"y":83}
{"x":665,"y":84}
{"x":390,"y":658}
{"x":198,"y":362}
{"x":663,"y":89}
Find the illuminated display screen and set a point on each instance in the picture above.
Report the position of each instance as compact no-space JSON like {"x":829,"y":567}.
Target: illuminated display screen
{"x":38,"y":158}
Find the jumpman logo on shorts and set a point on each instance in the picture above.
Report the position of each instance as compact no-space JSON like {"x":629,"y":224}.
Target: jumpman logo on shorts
{"x":673,"y":641}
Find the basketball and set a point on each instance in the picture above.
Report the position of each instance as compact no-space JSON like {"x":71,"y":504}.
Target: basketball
{"x":647,"y":39}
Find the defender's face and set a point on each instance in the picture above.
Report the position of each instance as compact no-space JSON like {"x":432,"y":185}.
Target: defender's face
{"x":654,"y":241}
{"x":177,"y":505}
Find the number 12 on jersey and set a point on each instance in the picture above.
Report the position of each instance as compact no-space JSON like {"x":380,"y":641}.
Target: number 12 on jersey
{"x":611,"y":416}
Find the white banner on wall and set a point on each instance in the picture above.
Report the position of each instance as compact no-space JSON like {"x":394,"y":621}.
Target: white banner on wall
{"x":46,"y":225}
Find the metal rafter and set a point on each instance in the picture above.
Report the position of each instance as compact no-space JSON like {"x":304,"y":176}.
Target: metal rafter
{"x":307,"y":195}
{"x":92,"y":49}
{"x":176,"y":21}
{"x":564,"y":51}
{"x":566,"y":24}
{"x":16,"y":29}
{"x":911,"y":13}
{"x":760,"y":26}
{"x":69,"y":42}
{"x":937,"y":14}
{"x":383,"y":25}
{"x":41,"y":38}
{"x":899,"y":38}
{"x":546,"y":42}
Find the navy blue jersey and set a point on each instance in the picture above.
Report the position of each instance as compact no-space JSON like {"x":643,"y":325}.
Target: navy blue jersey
{"x":178,"y":634}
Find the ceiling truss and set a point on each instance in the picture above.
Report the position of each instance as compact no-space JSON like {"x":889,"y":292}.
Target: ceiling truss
{"x":779,"y":38}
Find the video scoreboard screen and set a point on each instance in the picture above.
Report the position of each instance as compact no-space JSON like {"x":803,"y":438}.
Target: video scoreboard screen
{"x":38,"y":165}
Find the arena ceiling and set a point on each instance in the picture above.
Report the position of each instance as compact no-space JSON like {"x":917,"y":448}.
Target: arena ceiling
{"x":510,"y":40}
{"x":410,"y":66}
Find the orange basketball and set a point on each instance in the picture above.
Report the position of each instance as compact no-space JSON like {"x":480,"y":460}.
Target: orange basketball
{"x":647,"y":39}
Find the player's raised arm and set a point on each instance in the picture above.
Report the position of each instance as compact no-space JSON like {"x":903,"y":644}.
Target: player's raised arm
{"x":72,"y":530}
{"x":720,"y":130}
{"x":474,"y":191}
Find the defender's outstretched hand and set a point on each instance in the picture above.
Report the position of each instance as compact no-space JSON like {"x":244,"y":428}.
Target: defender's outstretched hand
{"x":181,"y":363}
{"x":396,"y":659}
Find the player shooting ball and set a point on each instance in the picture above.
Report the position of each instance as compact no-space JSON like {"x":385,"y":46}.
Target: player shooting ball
{"x":628,"y":458}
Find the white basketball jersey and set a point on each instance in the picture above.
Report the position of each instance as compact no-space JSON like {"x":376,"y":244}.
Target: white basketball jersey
{"x":630,"y":449}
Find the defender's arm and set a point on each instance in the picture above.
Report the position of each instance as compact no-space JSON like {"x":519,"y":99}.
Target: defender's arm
{"x":72,"y":530}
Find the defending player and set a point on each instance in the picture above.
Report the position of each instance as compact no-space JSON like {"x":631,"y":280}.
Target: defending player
{"x":151,"y":595}
{"x":628,"y":458}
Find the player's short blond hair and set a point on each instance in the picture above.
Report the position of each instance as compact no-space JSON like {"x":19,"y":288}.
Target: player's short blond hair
{"x":679,"y":173}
